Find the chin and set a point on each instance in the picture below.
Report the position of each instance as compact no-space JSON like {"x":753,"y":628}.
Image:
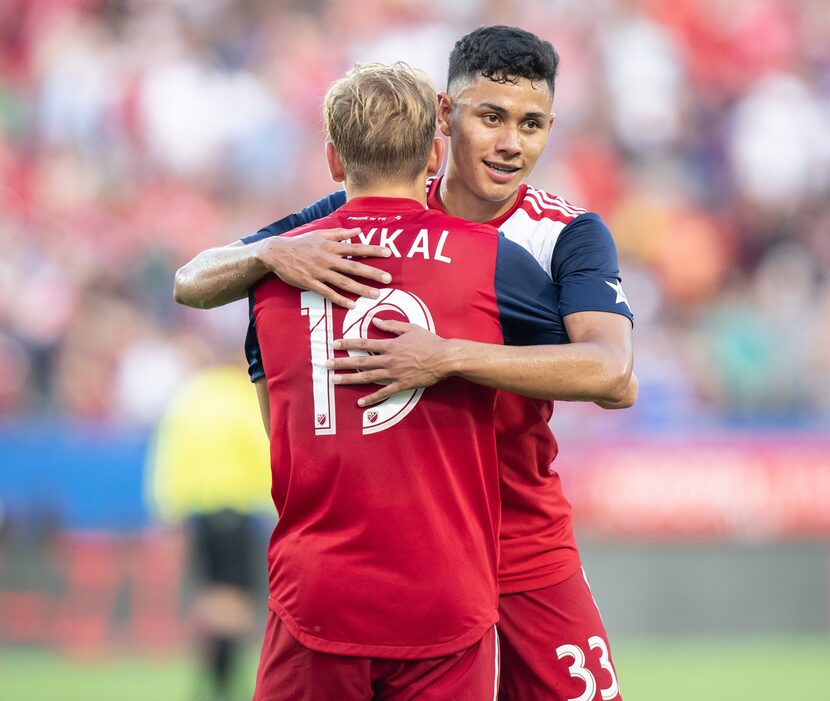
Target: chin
{"x":493,"y":192}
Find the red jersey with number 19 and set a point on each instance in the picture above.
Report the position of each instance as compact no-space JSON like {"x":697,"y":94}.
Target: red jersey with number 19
{"x":386,"y":544}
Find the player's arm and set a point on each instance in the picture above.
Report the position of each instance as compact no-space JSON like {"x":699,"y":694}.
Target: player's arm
{"x":596,"y":368}
{"x":264,"y":403}
{"x":318,"y":261}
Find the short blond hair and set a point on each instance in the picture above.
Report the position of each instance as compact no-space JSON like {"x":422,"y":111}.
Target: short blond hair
{"x":381,"y":120}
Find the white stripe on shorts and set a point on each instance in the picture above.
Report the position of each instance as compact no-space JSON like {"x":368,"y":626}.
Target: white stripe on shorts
{"x":498,"y":666}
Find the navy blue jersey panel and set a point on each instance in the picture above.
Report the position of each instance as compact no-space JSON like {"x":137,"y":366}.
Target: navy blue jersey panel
{"x":527,"y":299}
{"x":252,"y":350}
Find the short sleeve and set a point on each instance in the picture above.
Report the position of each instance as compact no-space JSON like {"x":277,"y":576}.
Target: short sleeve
{"x":527,"y":299}
{"x":321,"y":208}
{"x":586,"y":270}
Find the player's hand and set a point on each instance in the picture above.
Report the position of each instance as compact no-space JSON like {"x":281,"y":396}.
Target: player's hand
{"x":319,"y":261}
{"x":414,"y":359}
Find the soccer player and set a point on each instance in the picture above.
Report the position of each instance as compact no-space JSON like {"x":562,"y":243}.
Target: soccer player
{"x":497,"y":115}
{"x":383,"y":565}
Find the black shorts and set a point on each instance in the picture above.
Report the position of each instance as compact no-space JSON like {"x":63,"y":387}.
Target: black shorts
{"x":228,"y":549}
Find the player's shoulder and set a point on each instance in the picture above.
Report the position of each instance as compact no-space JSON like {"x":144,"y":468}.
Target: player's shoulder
{"x":541,"y":205}
{"x":542,"y":220}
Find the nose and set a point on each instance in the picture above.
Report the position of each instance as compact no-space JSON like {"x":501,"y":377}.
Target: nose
{"x":509,"y":143}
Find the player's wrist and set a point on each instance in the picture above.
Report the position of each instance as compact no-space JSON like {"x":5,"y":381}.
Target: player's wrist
{"x":265,"y":255}
{"x":452,"y":355}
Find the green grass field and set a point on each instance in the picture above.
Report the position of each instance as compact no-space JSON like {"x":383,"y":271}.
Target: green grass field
{"x":779,"y":669}
{"x":771,"y":669}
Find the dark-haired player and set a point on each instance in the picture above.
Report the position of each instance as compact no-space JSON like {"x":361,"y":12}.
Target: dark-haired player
{"x":497,"y":113}
{"x":383,"y":565}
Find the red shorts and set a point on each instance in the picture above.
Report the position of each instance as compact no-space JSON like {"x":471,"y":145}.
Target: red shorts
{"x":554,"y":646}
{"x":289,"y":671}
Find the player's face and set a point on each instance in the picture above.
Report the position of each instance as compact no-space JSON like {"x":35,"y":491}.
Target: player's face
{"x":497,"y":133}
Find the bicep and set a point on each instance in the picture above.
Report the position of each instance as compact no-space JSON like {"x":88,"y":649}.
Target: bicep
{"x":609,"y":330}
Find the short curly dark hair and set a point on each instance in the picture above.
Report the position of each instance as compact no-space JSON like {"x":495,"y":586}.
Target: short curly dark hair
{"x":503,"y":54}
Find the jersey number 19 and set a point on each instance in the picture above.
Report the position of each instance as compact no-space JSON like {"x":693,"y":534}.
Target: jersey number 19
{"x":356,"y":324}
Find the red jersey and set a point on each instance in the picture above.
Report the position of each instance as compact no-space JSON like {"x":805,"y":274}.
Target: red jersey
{"x":386,"y":545}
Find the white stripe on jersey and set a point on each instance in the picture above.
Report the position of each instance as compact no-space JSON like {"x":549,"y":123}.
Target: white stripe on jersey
{"x":537,"y":237}
{"x":557,"y":201}
{"x":546,"y":201}
{"x":534,"y":203}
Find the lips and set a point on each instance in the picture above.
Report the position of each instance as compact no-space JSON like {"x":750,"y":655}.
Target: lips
{"x":500,"y":172}
{"x":501,"y":167}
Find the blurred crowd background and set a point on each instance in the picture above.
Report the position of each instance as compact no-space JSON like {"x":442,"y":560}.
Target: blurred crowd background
{"x":135,"y":133}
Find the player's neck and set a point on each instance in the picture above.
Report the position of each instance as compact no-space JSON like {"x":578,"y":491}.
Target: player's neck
{"x":415,"y":190}
{"x":459,"y":201}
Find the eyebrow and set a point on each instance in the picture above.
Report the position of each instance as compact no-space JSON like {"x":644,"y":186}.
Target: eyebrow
{"x":541,"y":116}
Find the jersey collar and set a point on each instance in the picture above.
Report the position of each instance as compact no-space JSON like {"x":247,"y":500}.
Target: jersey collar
{"x":434,"y":201}
{"x":384,"y":205}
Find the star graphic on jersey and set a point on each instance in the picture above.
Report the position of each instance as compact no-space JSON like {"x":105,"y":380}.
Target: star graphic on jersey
{"x":617,"y":287}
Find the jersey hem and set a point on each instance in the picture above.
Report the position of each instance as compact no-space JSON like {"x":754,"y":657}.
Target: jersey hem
{"x":394,"y":652}
{"x":597,"y":308}
{"x":520,"y":585}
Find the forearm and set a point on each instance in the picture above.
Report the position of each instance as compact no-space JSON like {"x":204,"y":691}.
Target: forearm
{"x":218,"y":276}
{"x":571,"y":372}
{"x":321,"y":261}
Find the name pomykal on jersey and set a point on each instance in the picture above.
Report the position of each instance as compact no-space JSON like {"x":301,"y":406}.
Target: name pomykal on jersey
{"x":427,"y":244}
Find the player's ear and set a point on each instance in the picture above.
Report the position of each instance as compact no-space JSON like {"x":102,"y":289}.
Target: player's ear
{"x":552,"y":120}
{"x":335,"y":164}
{"x":436,"y":156}
{"x":444,"y":113}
